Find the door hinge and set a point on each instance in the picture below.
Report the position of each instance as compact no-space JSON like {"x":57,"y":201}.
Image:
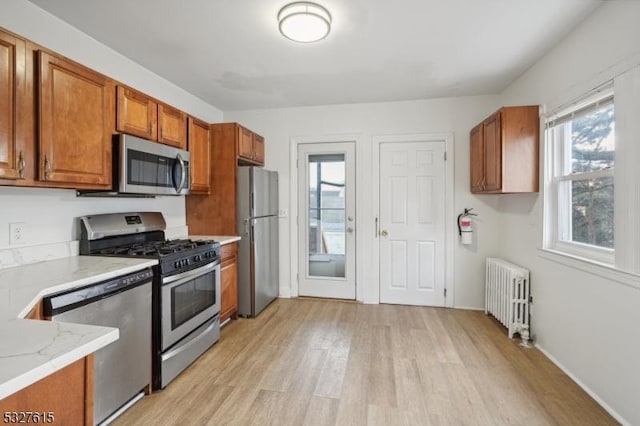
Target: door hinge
{"x":445,"y":156}
{"x":297,"y":163}
{"x":445,"y":293}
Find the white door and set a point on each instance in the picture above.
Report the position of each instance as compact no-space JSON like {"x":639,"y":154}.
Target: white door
{"x":326,"y":220}
{"x":412,"y":223}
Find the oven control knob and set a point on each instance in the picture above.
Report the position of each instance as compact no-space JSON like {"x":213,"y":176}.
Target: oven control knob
{"x":176,"y":264}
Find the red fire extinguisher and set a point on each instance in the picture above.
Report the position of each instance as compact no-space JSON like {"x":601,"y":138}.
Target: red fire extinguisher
{"x":465,"y":226}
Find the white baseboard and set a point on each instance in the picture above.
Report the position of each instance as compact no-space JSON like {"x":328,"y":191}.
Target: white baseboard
{"x":469,"y":308}
{"x":285,"y":293}
{"x":585,"y":388}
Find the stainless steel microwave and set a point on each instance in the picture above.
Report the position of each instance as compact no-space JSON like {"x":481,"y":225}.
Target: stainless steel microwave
{"x":149,"y":168}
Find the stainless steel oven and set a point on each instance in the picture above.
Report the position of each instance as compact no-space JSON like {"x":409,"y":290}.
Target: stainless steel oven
{"x":188,"y":300}
{"x":190,"y":318}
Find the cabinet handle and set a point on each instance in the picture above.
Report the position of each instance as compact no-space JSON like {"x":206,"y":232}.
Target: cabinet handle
{"x":47,"y":168}
{"x":150,"y":128}
{"x":21,"y":165}
{"x":161,"y":133}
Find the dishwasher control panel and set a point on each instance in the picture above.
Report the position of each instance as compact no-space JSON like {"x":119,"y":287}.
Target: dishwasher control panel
{"x":66,"y":300}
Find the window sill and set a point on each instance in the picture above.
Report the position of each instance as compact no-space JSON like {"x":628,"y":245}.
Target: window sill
{"x":592,"y":267}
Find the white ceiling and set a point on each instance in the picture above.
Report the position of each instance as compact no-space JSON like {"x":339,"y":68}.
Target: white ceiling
{"x":230,"y":53}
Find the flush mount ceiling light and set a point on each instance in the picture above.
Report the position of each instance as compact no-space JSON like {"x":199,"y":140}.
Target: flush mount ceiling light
{"x":304,"y":22}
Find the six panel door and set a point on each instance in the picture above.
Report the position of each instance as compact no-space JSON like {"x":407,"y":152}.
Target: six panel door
{"x":412,"y":225}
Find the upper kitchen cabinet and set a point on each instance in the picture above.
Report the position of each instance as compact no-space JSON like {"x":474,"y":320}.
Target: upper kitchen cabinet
{"x":172,"y":126}
{"x":76,"y":122}
{"x":258,"y":149}
{"x":140,"y":115}
{"x":504,"y":152}
{"x":13,"y":109}
{"x":215,"y":214}
{"x":136,"y":114}
{"x":200,"y":149}
{"x":250,"y":147}
{"x":477,"y":158}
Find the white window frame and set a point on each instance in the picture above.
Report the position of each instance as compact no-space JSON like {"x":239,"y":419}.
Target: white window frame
{"x":557,"y":234}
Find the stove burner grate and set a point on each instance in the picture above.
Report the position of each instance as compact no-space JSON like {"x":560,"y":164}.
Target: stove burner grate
{"x":155,"y":248}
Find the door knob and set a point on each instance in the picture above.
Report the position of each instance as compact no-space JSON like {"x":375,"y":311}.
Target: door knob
{"x":350,"y":230}
{"x":384,"y":233}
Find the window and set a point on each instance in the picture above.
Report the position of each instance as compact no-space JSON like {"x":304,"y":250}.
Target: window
{"x":580,"y":145}
{"x":327,"y":204}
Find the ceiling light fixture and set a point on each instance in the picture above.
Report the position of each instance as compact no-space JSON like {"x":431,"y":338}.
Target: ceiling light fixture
{"x":304,"y":22}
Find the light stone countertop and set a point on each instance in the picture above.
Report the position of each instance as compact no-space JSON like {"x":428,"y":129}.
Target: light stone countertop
{"x":31,"y":350}
{"x":222,"y":239}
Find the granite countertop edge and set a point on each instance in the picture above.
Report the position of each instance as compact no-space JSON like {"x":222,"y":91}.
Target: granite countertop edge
{"x":222,"y":239}
{"x":30,"y":349}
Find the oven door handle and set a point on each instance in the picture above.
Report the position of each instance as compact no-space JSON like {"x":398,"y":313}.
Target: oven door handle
{"x":191,"y":274}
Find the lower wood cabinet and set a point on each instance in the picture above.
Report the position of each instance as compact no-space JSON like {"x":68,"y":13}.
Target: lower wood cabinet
{"x":63,"y":398}
{"x":229,"y":282}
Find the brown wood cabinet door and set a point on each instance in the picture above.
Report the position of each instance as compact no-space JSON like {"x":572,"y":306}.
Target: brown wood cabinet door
{"x":258,"y":149}
{"x":172,"y":124}
{"x":12,"y":99}
{"x":76,"y":123}
{"x":136,"y":114}
{"x":229,"y":286}
{"x":492,"y":153}
{"x":477,"y":158}
{"x":62,"y":397}
{"x":245,"y":143}
{"x":200,"y":150}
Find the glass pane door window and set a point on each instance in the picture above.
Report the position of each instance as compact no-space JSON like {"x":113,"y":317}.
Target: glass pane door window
{"x":327,"y":215}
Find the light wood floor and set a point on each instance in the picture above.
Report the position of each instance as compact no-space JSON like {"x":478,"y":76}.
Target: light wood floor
{"x":315,"y":362}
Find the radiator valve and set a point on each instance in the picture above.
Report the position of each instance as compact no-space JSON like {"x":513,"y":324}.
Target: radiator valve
{"x":523,"y":330}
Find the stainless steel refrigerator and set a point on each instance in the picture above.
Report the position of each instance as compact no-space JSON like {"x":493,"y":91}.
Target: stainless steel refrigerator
{"x":258,"y":281}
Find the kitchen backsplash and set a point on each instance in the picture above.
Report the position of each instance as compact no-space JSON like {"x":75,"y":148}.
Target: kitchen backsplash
{"x":16,"y":256}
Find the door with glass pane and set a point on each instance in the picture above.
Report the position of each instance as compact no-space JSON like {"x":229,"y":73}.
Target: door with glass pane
{"x":326,"y":220}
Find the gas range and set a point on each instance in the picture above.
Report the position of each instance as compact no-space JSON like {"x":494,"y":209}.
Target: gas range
{"x":142,"y":235}
{"x":174,"y":256}
{"x":186,"y":284}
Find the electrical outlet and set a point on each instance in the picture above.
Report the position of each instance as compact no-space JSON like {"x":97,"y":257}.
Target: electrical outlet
{"x":283,"y":213}
{"x":17,"y":233}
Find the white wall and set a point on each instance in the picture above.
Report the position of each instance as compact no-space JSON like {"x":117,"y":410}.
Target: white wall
{"x":33,"y":23}
{"x":456,"y":116}
{"x":49,"y":213}
{"x":589,"y":324}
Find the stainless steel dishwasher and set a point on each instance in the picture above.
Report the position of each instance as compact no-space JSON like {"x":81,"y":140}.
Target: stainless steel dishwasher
{"x":122,"y":369}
